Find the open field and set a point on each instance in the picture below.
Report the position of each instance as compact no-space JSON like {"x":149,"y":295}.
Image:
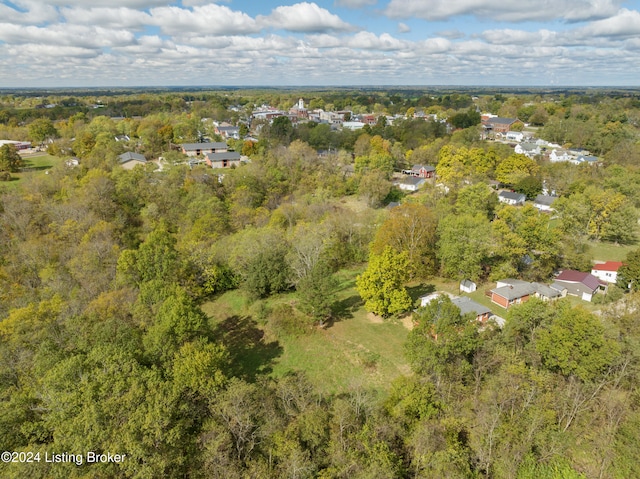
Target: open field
{"x":36,"y":164}
{"x":603,"y":251}
{"x":356,"y":349}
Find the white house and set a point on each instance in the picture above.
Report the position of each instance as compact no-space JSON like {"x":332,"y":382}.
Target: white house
{"x":412,"y":183}
{"x":585,"y":160}
{"x":607,"y":271}
{"x":514,"y":136}
{"x":511,"y":198}
{"x":530,"y":150}
{"x":544,"y":202}
{"x":560,"y":155}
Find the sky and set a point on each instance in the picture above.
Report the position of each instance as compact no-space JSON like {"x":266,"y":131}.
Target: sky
{"x":98,"y":43}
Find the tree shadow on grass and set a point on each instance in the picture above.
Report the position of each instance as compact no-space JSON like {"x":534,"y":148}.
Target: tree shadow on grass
{"x":29,"y":166}
{"x":420,"y":290}
{"x":250,"y":355}
{"x":344,"y":309}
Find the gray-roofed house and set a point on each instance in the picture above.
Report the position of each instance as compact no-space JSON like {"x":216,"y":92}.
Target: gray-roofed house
{"x":467,"y":305}
{"x":530,"y":150}
{"x":225,"y":159}
{"x":130,"y":160}
{"x":514,"y":291}
{"x":511,"y":198}
{"x":585,"y":160}
{"x":544,"y":202}
{"x":412,"y":183}
{"x":197,"y":149}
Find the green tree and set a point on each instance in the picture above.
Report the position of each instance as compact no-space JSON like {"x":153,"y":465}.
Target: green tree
{"x":629,"y":272}
{"x":42,"y":129}
{"x":268,"y":273}
{"x":575,"y":343}
{"x":464,"y":245}
{"x":443,"y":342}
{"x":281,"y":130}
{"x":530,"y":186}
{"x":317,"y":292}
{"x":10,"y":159}
{"x":381,"y":284}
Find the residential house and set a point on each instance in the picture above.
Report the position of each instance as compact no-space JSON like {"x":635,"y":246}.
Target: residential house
{"x":467,"y":305}
{"x":500,"y":125}
{"x":514,"y":136}
{"x":227,"y":131}
{"x":197,"y":149}
{"x":130,"y":160}
{"x":225,"y":159}
{"x":511,"y":198}
{"x":530,"y":150}
{"x":412,"y":183}
{"x":468,"y":286}
{"x":353,"y":125}
{"x":422,"y":171}
{"x":577,"y":283}
{"x":544,"y":202}
{"x":514,"y":291}
{"x":585,"y":160}
{"x":558,"y":155}
{"x":607,"y":271}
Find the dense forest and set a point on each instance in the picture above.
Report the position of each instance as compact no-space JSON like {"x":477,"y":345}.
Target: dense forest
{"x":146,"y":312}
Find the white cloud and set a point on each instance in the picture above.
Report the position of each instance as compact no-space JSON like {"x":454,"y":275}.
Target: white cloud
{"x":403,"y":28}
{"x":207,"y":19}
{"x":625,"y":24}
{"x":30,"y":12}
{"x":105,"y":3}
{"x":120,"y":17}
{"x":355,"y":3}
{"x":304,"y":17}
{"x":506,"y":10}
{"x":65,"y":35}
{"x":369,"y":41}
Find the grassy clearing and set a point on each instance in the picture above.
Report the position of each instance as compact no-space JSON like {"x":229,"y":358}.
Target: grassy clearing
{"x":602,"y":251}
{"x":355,"y":349}
{"x":39,"y":164}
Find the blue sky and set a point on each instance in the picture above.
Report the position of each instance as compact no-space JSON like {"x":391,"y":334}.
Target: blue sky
{"x":58,"y":43}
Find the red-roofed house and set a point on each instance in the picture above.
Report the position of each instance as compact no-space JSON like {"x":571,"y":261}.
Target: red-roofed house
{"x":577,"y":283}
{"x":607,"y":271}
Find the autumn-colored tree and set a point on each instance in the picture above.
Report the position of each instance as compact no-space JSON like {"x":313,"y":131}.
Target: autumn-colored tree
{"x":515,"y":168}
{"x":411,"y":227}
{"x":381,"y":285}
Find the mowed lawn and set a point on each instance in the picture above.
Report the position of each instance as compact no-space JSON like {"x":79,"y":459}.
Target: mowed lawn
{"x":357,"y":349}
{"x":39,"y":162}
